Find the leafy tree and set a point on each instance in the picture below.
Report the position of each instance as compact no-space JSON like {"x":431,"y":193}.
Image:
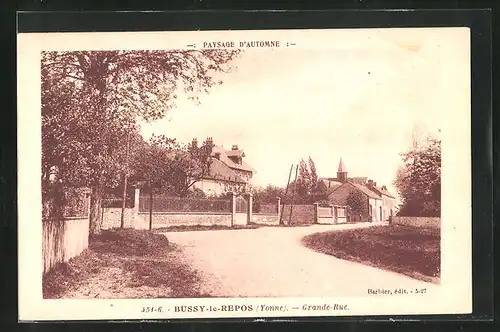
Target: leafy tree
{"x":307,"y":190}
{"x":313,"y":173}
{"x":89,"y":97}
{"x":304,"y":180}
{"x":356,"y":203}
{"x":173,"y":168}
{"x":419,"y":180}
{"x":177,"y":167}
{"x":268,"y":195}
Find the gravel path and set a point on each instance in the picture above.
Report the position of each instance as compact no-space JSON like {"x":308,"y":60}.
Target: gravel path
{"x":271,"y":262}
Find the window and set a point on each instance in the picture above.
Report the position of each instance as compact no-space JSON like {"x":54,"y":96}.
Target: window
{"x":340,"y":212}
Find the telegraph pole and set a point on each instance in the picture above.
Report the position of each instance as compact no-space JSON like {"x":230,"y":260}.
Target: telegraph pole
{"x":293,"y":194}
{"x":286,"y":192}
{"x":122,"y":222}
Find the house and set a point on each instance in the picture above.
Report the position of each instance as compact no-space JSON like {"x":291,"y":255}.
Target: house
{"x":228,"y":172}
{"x":377,"y":203}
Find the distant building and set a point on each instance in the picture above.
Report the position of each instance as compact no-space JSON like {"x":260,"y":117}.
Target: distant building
{"x":228,"y":172}
{"x":379,"y":203}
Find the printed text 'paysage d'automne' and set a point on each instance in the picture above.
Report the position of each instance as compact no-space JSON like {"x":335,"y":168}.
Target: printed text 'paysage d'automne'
{"x":242,"y":44}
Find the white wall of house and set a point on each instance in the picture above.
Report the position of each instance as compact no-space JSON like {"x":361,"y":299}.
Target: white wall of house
{"x":376,"y":207}
{"x":388,"y":204}
{"x":216,"y":188}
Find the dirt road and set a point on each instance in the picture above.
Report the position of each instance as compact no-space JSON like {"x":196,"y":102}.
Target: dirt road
{"x":270,"y":261}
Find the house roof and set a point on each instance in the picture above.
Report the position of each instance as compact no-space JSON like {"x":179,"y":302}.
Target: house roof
{"x":220,"y":171}
{"x":366,"y":191}
{"x":224,"y":153}
{"x":331,"y":185}
{"x":359,"y":179}
{"x":384,"y":192}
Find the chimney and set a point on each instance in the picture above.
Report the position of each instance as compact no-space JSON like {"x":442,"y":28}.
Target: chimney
{"x":210,"y":141}
{"x":217,"y":155}
{"x":195,"y":142}
{"x":370,"y":183}
{"x":374,"y":184}
{"x":235,"y":147}
{"x":384,"y":187}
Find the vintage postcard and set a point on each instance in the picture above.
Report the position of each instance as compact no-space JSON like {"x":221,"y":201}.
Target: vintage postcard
{"x":222,"y":174}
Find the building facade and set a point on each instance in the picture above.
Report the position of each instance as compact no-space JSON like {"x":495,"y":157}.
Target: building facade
{"x":228,"y":172}
{"x":373,"y":203}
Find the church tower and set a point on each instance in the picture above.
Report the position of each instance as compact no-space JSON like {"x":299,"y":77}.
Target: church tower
{"x":341,"y":172}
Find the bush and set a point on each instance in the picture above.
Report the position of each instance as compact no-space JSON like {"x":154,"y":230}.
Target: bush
{"x":130,"y":241}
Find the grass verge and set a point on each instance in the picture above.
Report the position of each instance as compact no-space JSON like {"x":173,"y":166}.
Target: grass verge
{"x":407,"y":250}
{"x":125,"y":263}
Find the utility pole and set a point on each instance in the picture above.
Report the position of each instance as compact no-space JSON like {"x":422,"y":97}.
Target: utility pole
{"x":293,"y":194}
{"x":150,"y":204}
{"x":125,"y":175}
{"x":286,"y":192}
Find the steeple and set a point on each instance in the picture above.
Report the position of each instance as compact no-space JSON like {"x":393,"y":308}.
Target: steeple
{"x":341,"y":172}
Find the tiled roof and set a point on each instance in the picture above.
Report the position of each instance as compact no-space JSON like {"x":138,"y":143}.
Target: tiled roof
{"x":359,"y":180}
{"x":331,"y":185}
{"x":366,"y":191}
{"x":384,"y":192}
{"x":224,"y":158}
{"x":219,"y":171}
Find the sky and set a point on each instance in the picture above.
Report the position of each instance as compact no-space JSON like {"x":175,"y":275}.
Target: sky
{"x":360,"y":99}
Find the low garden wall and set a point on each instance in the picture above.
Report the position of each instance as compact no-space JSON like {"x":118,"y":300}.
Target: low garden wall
{"x":301,"y":215}
{"x":111,"y":217}
{"x":167,"y":219}
{"x":63,"y":241}
{"x":266,"y":219}
{"x":423,"y":222}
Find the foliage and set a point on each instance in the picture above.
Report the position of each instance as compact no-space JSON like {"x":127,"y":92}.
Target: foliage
{"x":307,"y":190}
{"x":170,"y":167}
{"x":304,"y":180}
{"x":268,"y":195}
{"x":91,"y":100}
{"x":419,"y":180}
{"x":356,"y":202}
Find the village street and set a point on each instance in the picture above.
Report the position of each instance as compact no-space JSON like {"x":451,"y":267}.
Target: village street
{"x":270,"y":261}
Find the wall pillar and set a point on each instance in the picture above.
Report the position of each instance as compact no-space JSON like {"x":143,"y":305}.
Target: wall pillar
{"x":278,"y":206}
{"x":233,"y":208}
{"x":250,"y":208}
{"x":135,"y":211}
{"x":316,"y":205}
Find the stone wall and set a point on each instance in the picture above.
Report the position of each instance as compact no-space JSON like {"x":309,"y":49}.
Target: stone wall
{"x":167,"y":219}
{"x":266,"y":219}
{"x":423,"y":222}
{"x":111,"y":217}
{"x":301,"y":214}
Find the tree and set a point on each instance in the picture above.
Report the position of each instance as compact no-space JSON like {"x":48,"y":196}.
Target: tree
{"x":307,"y":182}
{"x":173,"y":168}
{"x":356,"y":203}
{"x":418,"y":181}
{"x":89,"y":96}
{"x":186,"y":165}
{"x":268,"y":195}
{"x":304,"y":180}
{"x":313,"y":173}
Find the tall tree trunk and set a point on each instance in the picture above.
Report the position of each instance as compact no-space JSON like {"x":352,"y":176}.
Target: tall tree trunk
{"x":95,"y":210}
